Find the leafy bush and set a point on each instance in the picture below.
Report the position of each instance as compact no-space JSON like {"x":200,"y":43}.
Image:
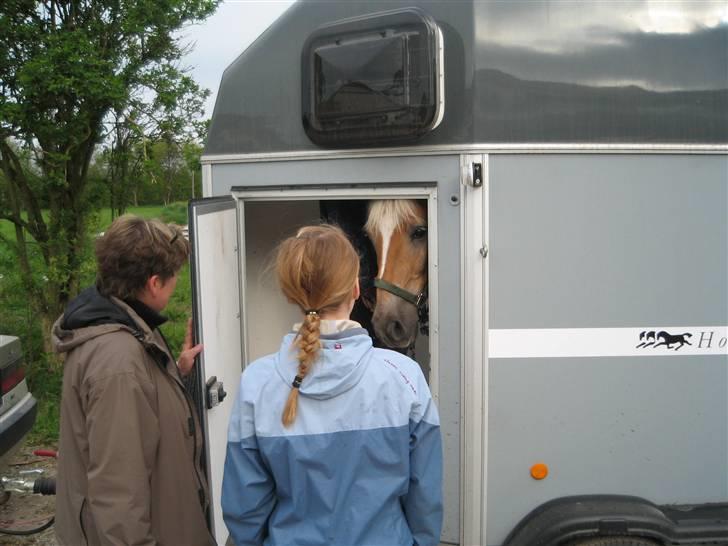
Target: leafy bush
{"x":17,"y":319}
{"x":45,"y":383}
{"x":175,"y":213}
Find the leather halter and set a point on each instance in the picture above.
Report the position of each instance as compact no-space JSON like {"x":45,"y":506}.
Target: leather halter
{"x":418,"y":300}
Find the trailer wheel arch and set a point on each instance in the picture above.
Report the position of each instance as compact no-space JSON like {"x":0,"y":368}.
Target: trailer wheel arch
{"x":587,"y":519}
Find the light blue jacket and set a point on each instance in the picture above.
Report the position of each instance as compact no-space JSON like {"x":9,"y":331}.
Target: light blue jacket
{"x":361,"y":464}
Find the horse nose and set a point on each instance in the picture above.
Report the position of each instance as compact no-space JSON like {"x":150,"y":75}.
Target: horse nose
{"x":396,"y":333}
{"x":395,"y":326}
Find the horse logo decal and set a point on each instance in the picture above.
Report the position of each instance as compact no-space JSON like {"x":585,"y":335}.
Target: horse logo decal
{"x":654,"y":340}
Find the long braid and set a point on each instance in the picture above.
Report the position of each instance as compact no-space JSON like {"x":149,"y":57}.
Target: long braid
{"x":308,"y":343}
{"x":317,"y":270}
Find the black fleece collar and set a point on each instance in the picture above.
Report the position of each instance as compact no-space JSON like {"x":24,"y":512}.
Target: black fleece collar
{"x":153,"y":319}
{"x":90,"y":308}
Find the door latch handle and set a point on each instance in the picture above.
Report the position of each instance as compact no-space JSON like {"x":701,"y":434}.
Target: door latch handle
{"x":214,"y":392}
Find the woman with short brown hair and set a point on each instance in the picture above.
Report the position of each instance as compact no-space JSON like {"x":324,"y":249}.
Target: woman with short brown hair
{"x":130,"y":443}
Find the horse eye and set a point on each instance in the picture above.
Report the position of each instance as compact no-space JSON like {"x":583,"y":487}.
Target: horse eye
{"x":419,"y":232}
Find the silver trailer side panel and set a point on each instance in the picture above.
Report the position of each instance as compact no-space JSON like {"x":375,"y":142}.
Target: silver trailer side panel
{"x":600,"y":241}
{"x":607,"y":244}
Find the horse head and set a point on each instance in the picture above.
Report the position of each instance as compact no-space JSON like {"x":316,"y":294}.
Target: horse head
{"x":398,"y":230}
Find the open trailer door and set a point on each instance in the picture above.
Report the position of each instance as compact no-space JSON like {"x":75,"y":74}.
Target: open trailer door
{"x":215,"y":277}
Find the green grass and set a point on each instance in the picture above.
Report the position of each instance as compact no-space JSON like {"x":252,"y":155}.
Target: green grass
{"x":178,"y":310}
{"x":16,"y":318}
{"x":175,"y":212}
{"x":102,"y":219}
{"x":46,"y":387}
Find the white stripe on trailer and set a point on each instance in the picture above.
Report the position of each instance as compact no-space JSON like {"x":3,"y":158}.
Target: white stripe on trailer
{"x":606,"y":342}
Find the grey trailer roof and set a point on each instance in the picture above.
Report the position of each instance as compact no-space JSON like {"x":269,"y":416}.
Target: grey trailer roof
{"x":537,"y":71}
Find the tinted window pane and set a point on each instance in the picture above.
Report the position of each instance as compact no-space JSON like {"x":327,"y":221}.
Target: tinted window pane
{"x":361,"y":77}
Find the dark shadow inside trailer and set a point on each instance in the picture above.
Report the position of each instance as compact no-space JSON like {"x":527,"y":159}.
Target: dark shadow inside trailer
{"x":269,"y":315}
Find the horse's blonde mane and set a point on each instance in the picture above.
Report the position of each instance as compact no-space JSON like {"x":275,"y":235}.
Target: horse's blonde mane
{"x":396,"y":211}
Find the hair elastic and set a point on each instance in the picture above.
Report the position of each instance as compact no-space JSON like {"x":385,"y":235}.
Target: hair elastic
{"x":297,"y":382}
{"x":311,"y":312}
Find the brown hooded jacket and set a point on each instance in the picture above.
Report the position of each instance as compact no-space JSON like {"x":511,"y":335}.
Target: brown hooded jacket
{"x":130,"y":444}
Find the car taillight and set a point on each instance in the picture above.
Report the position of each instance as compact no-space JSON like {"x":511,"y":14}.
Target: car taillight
{"x":11,"y":376}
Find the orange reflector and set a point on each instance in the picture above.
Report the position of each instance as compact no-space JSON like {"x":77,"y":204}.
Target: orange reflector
{"x":539,"y":471}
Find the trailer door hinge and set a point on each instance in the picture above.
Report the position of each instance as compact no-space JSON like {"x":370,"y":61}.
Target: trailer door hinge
{"x":477,"y":177}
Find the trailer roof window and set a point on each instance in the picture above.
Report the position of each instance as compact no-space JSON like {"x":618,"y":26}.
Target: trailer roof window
{"x":373,"y":80}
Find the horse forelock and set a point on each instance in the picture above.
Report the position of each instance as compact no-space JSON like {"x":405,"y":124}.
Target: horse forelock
{"x":386,"y":218}
{"x":390,"y":214}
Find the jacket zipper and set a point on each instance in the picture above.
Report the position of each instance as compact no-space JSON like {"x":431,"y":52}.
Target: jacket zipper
{"x":190,"y":420}
{"x":192,"y":428}
{"x":153,"y":350}
{"x":201,"y":490}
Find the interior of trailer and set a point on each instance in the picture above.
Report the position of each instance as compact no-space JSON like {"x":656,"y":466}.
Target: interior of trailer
{"x":268,"y":316}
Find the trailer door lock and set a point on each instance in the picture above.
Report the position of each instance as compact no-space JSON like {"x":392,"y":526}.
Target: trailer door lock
{"x":477,"y":175}
{"x":215,"y":392}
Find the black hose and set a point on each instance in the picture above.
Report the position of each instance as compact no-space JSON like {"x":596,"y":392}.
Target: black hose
{"x":43,"y":486}
{"x":27,"y":532}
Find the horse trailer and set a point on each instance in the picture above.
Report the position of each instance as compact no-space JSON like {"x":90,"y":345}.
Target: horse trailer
{"x":571,"y":160}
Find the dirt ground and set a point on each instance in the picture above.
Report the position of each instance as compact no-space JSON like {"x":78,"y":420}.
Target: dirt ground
{"x":24,"y":511}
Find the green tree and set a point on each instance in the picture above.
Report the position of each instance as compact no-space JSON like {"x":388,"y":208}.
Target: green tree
{"x":192,"y":152}
{"x":171,"y":171}
{"x":168,"y":170}
{"x":138,"y":128}
{"x":67,"y":69}
{"x":124,"y":161}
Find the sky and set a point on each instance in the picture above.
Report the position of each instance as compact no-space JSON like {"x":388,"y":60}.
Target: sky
{"x":225,"y":35}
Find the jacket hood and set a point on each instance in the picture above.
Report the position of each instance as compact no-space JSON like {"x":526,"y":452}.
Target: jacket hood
{"x":90,"y":315}
{"x":90,"y":308}
{"x":339,"y":366}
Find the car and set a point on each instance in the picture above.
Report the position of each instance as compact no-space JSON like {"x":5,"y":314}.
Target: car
{"x":18,"y":407}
